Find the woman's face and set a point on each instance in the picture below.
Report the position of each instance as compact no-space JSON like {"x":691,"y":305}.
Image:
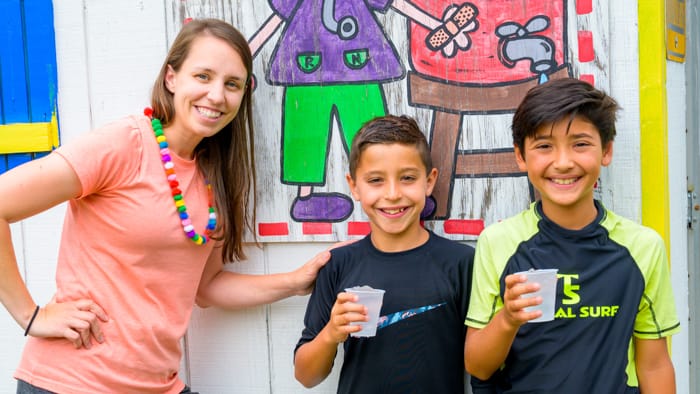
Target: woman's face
{"x":207,"y":90}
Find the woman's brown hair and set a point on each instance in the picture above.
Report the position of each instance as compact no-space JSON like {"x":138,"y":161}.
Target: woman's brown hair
{"x":226,"y":159}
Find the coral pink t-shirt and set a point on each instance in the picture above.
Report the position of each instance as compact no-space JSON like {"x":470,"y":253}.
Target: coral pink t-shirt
{"x":123,"y":247}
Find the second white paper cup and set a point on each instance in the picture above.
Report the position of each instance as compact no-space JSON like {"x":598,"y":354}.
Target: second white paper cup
{"x":372,"y":299}
{"x":547,"y":278}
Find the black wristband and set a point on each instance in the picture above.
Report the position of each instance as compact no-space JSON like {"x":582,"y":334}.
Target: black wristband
{"x":31,"y":321}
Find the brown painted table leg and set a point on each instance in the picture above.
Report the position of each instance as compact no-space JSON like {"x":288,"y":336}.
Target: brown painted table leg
{"x":445,"y":133}
{"x":461,"y":100}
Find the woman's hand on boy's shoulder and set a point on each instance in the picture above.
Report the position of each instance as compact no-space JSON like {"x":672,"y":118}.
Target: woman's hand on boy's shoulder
{"x":304,"y":277}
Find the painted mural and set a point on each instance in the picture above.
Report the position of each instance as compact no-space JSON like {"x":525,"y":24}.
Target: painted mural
{"x":28,"y":91}
{"x":324,"y":67}
{"x":332,"y":58}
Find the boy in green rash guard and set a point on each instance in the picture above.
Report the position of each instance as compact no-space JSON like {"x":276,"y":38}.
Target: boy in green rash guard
{"x":614,"y":305}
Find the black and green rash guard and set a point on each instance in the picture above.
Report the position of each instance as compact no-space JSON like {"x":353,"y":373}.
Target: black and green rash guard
{"x":613,"y":284}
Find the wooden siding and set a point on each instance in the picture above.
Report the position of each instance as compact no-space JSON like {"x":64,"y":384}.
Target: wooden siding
{"x":108,"y":53}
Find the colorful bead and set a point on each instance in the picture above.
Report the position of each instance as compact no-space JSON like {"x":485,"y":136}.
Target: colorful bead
{"x":178,"y":199}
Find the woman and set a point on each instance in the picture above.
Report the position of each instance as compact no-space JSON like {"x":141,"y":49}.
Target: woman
{"x":157,"y":204}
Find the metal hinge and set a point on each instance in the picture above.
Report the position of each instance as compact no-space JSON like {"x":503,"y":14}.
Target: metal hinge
{"x":692,"y":207}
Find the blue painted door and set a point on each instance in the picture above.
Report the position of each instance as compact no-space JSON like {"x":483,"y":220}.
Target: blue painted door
{"x":28,"y":87}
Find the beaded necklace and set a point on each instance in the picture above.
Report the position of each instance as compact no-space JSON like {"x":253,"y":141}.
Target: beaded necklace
{"x":187,"y":226}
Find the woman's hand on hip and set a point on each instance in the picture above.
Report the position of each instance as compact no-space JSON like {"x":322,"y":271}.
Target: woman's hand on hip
{"x":77,"y":321}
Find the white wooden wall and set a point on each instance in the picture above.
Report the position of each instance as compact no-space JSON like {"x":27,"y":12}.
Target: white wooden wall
{"x":109,"y":52}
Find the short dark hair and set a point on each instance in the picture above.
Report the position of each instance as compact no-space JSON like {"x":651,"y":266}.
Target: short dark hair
{"x":558,"y":99}
{"x":389,"y":129}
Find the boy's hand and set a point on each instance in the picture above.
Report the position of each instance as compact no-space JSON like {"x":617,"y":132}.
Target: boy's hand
{"x":514,"y":304}
{"x":313,"y":361}
{"x":346,"y":310}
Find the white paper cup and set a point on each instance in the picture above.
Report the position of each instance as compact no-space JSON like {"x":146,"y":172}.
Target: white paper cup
{"x":547,"y":278}
{"x":372,"y":299}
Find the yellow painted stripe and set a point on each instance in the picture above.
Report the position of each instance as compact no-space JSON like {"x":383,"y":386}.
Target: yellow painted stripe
{"x":653,"y":117}
{"x":653,"y":120}
{"x":29,"y":137}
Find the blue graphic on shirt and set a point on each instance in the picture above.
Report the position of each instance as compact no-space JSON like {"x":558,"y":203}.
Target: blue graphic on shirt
{"x":402,"y":315}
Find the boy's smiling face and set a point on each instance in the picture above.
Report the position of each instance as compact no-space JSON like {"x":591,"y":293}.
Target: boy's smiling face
{"x":391,"y":184}
{"x":564,"y":165}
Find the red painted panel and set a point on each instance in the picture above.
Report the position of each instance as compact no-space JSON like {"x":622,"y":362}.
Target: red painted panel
{"x":272,"y":229}
{"x":467,"y":227}
{"x":584,"y":7}
{"x":358,"y":228}
{"x":310,"y":228}
{"x":585,"y":46}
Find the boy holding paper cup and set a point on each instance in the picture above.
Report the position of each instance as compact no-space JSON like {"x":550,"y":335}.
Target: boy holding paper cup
{"x":614,"y":305}
{"x":420,"y":334}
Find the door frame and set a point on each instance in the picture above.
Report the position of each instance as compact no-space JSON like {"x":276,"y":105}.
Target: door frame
{"x":692,"y":74}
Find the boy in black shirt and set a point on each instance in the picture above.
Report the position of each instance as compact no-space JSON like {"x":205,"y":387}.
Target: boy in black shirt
{"x":419,"y":342}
